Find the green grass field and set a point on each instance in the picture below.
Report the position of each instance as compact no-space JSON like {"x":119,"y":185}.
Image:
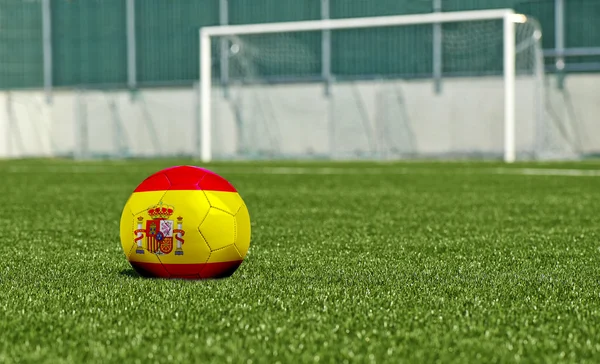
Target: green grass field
{"x":410,"y":262}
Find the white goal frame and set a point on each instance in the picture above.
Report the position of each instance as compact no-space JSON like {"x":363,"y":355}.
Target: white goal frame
{"x":508,"y":16}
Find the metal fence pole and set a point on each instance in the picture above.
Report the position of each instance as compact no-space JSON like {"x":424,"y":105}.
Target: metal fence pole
{"x":47,"y":48}
{"x":81,"y":131}
{"x":559,"y":34}
{"x":326,"y":75}
{"x":197,"y":122}
{"x":326,"y":49}
{"x":131,"y":44}
{"x":9,"y":125}
{"x":224,"y":47}
{"x":437,"y":49}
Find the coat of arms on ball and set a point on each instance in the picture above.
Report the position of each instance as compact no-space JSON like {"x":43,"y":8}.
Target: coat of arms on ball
{"x":159,"y":231}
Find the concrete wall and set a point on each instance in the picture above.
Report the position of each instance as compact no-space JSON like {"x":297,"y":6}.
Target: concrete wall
{"x":393,"y":118}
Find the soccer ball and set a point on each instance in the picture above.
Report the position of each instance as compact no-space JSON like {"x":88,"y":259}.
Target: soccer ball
{"x":185,"y":222}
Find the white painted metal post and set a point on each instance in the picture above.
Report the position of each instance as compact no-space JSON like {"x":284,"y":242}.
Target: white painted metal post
{"x":131,"y":52}
{"x":509,"y":89}
{"x":205,"y":99}
{"x":47,"y":48}
{"x":358,"y":23}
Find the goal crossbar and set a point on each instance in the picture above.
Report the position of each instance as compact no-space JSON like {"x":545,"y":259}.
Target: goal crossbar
{"x":507,"y":15}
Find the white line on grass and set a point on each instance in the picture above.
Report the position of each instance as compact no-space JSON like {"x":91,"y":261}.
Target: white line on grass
{"x":313,"y":170}
{"x":550,"y":172}
{"x":407,"y":171}
{"x":218,"y":169}
{"x":319,"y":170}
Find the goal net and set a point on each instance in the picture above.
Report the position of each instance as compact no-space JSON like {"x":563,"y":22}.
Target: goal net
{"x":440,"y":85}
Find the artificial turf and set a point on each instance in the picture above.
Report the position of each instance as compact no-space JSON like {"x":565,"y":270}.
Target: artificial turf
{"x":363,"y":262}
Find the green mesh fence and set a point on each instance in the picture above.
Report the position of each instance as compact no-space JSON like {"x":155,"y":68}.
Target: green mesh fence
{"x":21,"y":53}
{"x":167,"y":38}
{"x":361,"y":8}
{"x":583,"y":22}
{"x":264,"y":11}
{"x":89,"y":42}
{"x":90,"y":46}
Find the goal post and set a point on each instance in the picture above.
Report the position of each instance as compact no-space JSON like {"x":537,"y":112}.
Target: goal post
{"x":506,"y":16}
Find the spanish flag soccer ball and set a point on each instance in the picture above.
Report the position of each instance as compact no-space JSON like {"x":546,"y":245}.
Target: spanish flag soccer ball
{"x":185,"y":222}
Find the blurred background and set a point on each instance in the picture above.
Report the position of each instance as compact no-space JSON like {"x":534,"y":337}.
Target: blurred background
{"x":119,"y":79}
